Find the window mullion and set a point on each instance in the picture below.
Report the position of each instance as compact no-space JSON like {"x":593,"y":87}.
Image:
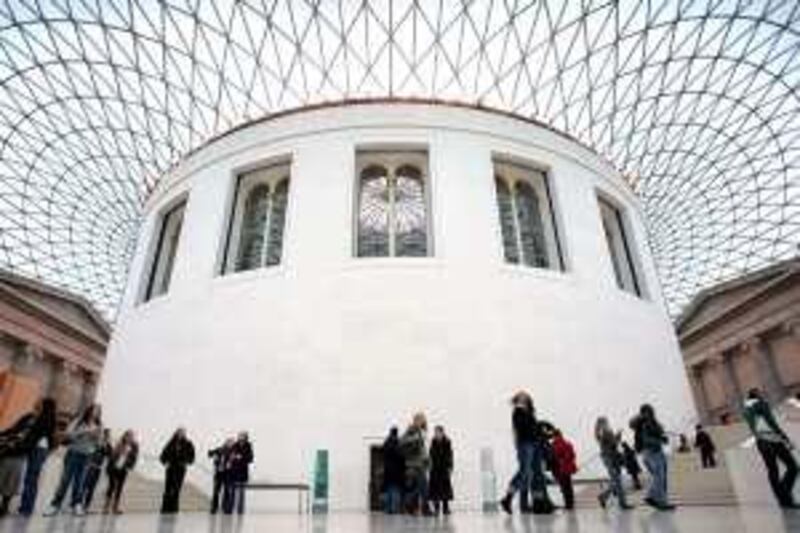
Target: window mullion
{"x":391,"y":183}
{"x":262,"y":260}
{"x":512,"y":188}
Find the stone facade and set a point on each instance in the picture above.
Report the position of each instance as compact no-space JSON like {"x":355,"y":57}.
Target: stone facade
{"x":52,"y":343}
{"x":742,"y":334}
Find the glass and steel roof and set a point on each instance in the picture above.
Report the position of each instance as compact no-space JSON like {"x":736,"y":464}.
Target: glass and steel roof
{"x":696,"y":101}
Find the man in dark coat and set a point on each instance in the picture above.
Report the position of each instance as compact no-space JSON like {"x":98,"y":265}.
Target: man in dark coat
{"x":440,"y":488}
{"x":394,"y":472}
{"x":703,"y":442}
{"x":176,"y":456}
{"x":241,"y":455}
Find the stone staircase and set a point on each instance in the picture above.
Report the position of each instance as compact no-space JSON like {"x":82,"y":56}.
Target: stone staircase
{"x":689,"y":483}
{"x":142,"y":494}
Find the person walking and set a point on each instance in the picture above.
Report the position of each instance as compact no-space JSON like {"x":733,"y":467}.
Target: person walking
{"x":16,"y":442}
{"x":82,"y":437}
{"x":94,"y":467}
{"x":43,"y":439}
{"x":649,"y":440}
{"x":176,"y":456}
{"x":609,"y":441}
{"x":440,"y":490}
{"x":239,"y":459}
{"x":774,"y":446}
{"x":523,"y":424}
{"x":122,"y":460}
{"x":564,"y":467}
{"x":415,"y":453}
{"x":219,"y":457}
{"x":631,"y":464}
{"x":703,"y":442}
{"x":394,"y":472}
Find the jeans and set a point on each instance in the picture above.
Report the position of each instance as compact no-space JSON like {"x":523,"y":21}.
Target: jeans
{"x":418,"y":488}
{"x":30,"y":484}
{"x":656,"y":463}
{"x":614,"y":481}
{"x":529,"y":472}
{"x":782,"y":486}
{"x":72,"y":475}
{"x":394,"y":499}
{"x":90,"y":479}
{"x":233,"y":497}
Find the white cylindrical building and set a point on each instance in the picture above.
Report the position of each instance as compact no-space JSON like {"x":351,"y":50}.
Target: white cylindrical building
{"x":320,"y":275}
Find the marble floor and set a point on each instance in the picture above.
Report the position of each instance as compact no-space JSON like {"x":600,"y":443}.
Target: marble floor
{"x":689,"y":519}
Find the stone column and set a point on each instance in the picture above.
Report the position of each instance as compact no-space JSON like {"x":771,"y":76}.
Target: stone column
{"x":732,"y":385}
{"x":701,"y":394}
{"x":759,"y":348}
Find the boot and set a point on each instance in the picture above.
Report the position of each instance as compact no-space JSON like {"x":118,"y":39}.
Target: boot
{"x":505,"y":503}
{"x":445,"y":507}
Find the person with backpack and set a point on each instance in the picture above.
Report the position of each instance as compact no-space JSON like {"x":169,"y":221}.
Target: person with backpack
{"x":649,"y":441}
{"x":412,"y":443}
{"x":609,"y":441}
{"x":774,"y":446}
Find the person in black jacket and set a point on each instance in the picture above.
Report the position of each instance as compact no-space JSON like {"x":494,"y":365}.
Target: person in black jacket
{"x":524,"y":426}
{"x":703,"y":442}
{"x":16,"y":443}
{"x":649,"y":440}
{"x":42,"y":439}
{"x":239,"y":459}
{"x":440,"y":488}
{"x":219,"y":456}
{"x":394,"y":472}
{"x":176,"y":456}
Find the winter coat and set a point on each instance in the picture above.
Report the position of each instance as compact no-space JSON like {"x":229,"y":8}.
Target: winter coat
{"x":178,"y":453}
{"x":648,"y":434}
{"x":239,"y":459}
{"x":394,"y":464}
{"x":412,"y":444}
{"x":18,"y":440}
{"x":563,"y":458}
{"x":702,"y":441}
{"x":440,"y":487}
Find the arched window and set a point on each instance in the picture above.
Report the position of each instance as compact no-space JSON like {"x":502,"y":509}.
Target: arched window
{"x":255,"y":238}
{"x":373,"y":213}
{"x":392,"y":205}
{"x":527,"y":224}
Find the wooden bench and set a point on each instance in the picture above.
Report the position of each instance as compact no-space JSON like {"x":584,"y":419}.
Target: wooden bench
{"x":303,"y":489}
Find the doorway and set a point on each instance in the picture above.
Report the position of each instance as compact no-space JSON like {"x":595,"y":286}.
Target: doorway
{"x":376,"y":477}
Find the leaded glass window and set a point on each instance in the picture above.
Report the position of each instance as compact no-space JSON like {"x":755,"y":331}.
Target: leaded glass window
{"x":527,"y":222}
{"x":169,"y":233}
{"x":392,"y":205}
{"x":255,"y":239}
{"x":619,"y":247}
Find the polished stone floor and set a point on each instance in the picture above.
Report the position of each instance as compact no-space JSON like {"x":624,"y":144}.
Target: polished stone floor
{"x":689,"y":519}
